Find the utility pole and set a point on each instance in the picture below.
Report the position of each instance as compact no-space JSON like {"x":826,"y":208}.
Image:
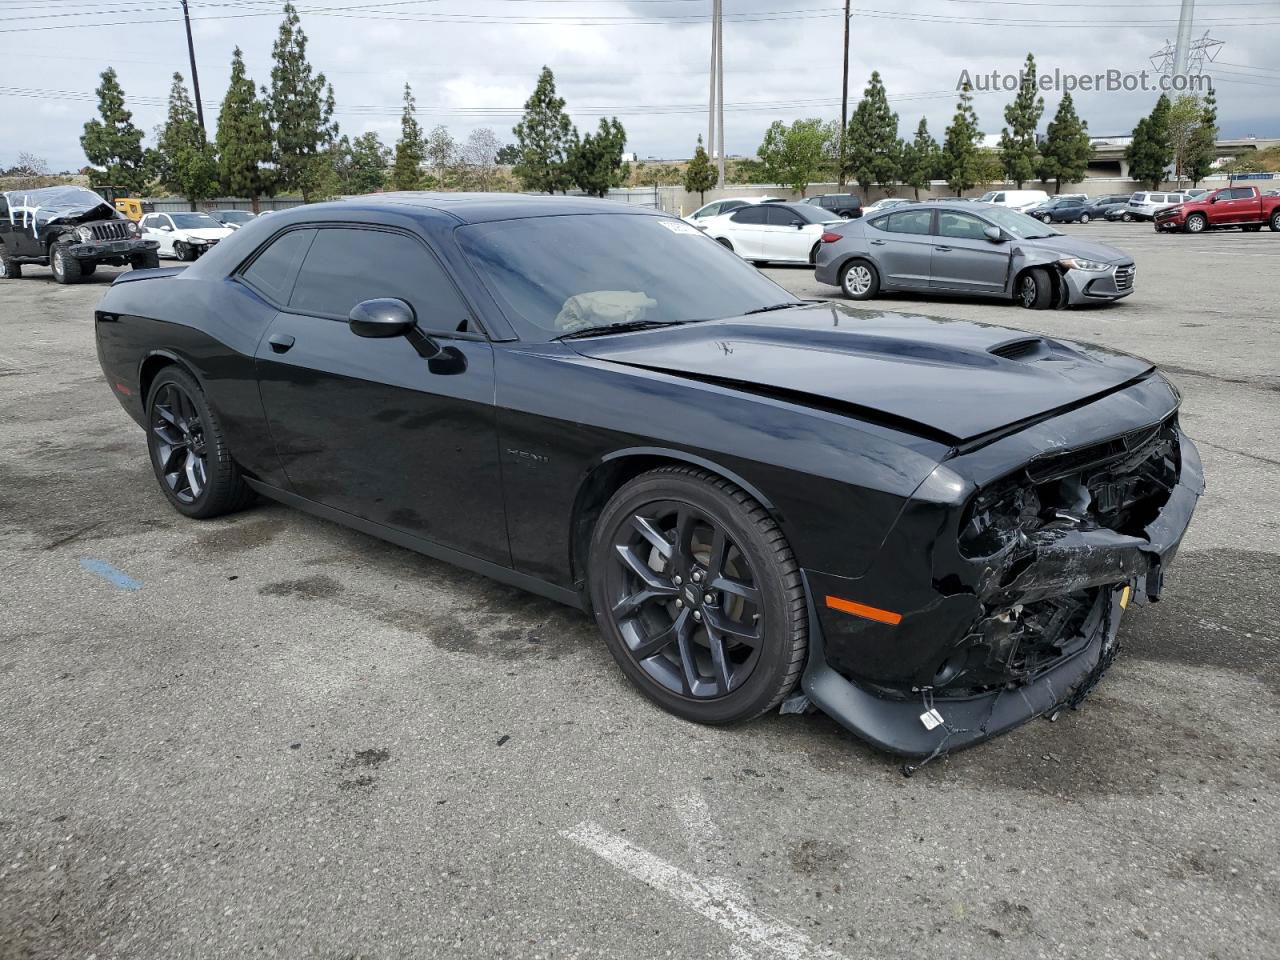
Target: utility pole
{"x":720,"y":89}
{"x":195,"y":77}
{"x":711,"y":95}
{"x":1183,"y":48}
{"x":844,"y":98}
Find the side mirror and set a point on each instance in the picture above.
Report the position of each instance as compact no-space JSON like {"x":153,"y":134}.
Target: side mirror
{"x":994,"y":234}
{"x":382,"y":318}
{"x":166,"y":228}
{"x":798,"y":224}
{"x":1214,"y":198}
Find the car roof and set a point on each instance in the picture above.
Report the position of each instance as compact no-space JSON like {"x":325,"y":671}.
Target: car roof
{"x":486,"y":207}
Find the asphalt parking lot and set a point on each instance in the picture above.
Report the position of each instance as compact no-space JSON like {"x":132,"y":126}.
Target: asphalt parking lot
{"x":267,"y":735}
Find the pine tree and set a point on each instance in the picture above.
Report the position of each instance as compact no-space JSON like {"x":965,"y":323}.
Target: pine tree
{"x":960,"y":149}
{"x":300,"y":106}
{"x":369,"y":158}
{"x":112,"y":144}
{"x":873,"y":152}
{"x":243,"y":138}
{"x":184,"y":158}
{"x":544,"y":137}
{"x":508,"y":155}
{"x":1150,"y":154}
{"x":1018,"y":139}
{"x":700,"y":176}
{"x":595,"y":161}
{"x":411,"y":151}
{"x":1066,"y":150}
{"x":1202,"y":148}
{"x":921,"y":159}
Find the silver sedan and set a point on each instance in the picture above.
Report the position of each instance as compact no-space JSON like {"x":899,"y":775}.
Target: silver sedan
{"x":972,"y":249}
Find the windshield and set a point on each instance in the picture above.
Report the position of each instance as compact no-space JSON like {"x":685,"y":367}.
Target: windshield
{"x":194,"y":221}
{"x":235,"y":216}
{"x":988,"y":196}
{"x":1018,"y":224}
{"x":568,"y":274}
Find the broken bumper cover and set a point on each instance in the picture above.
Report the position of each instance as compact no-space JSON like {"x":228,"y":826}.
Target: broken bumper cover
{"x":97,"y":249}
{"x":922,"y":727}
{"x":1088,"y":286}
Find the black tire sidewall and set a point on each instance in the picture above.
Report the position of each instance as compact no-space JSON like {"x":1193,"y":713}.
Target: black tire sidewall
{"x":761,"y":689}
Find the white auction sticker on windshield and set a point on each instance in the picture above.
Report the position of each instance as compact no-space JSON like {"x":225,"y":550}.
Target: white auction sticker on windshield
{"x":679,"y":226}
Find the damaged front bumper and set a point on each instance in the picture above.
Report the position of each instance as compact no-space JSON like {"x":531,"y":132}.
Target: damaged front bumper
{"x":102,"y":249}
{"x":1093,"y":286}
{"x":1099,"y":567}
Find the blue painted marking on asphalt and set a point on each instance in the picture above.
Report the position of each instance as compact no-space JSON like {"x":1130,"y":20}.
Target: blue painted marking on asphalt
{"x":109,"y":573}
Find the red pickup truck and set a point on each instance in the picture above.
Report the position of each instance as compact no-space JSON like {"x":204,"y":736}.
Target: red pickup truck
{"x":1243,"y":207}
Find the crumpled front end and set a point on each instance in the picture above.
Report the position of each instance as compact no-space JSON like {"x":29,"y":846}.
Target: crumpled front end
{"x":1028,"y":581}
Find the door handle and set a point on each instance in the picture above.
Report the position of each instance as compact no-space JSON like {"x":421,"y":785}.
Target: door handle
{"x":877,"y":243}
{"x":943,"y":249}
{"x":280,"y":342}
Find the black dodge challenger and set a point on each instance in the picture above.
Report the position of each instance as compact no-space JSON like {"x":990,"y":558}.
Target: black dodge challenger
{"x":931,"y":527}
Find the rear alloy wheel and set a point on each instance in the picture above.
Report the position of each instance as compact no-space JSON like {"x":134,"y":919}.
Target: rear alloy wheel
{"x":188,"y":450}
{"x":1275,"y":222}
{"x":1035,"y":289}
{"x":66,"y":268}
{"x":860,"y":280}
{"x":1196,"y":223}
{"x":698,"y":596}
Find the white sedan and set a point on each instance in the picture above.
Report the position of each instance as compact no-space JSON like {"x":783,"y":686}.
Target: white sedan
{"x":183,"y":235}
{"x":772,"y":232}
{"x":717,"y":207}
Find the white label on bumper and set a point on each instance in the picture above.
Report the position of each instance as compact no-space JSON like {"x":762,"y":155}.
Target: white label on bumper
{"x":931,"y":719}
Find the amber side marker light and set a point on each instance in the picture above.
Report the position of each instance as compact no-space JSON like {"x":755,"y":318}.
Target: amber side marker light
{"x":1125,"y":594}
{"x":864,"y":611}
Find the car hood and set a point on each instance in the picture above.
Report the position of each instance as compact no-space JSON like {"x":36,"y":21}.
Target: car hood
{"x":949,"y":380}
{"x":207,"y":233}
{"x":1069,"y":246}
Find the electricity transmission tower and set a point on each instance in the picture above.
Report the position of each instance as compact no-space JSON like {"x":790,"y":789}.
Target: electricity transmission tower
{"x":1186,"y":57}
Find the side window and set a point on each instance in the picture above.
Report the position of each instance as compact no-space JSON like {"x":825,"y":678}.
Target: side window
{"x":998,"y":198}
{"x":1242,"y":193}
{"x":960,"y":226}
{"x":729,"y":205}
{"x":710,"y":210}
{"x":781,"y":217}
{"x":345,"y":266}
{"x":880,"y":223}
{"x":909,"y":221}
{"x":749,"y":215}
{"x":273,"y":271}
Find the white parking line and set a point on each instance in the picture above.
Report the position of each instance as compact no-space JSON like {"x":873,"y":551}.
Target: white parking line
{"x":712,"y":899}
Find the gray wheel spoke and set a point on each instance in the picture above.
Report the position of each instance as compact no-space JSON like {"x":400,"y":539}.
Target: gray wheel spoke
{"x":648,"y":576}
{"x":718,"y":623}
{"x":189,"y":468}
{"x":723,"y":678}
{"x":651,"y":533}
{"x":736,"y":587}
{"x":684,"y":641}
{"x":656,"y":644}
{"x":630,"y":605}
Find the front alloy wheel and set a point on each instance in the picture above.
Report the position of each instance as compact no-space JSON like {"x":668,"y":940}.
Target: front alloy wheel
{"x":1195,"y":223}
{"x":698,"y":596}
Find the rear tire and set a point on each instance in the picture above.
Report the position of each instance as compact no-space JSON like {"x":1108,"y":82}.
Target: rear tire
{"x":860,"y":280}
{"x":698,"y":596}
{"x":189,"y":450}
{"x":9,"y":269}
{"x":147,"y":260}
{"x":66,"y":268}
{"x":1275,"y":222}
{"x":1035,"y":289}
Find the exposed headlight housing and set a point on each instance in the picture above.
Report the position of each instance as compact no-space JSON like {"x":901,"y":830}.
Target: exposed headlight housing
{"x":1079,"y":263}
{"x":84,"y":233}
{"x":133,"y":229}
{"x":196,"y":241}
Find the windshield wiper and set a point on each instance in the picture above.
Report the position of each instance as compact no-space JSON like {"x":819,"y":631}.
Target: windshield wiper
{"x":619,"y":328}
{"x":774,"y":306}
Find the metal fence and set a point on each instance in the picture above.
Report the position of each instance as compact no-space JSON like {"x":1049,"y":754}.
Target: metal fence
{"x":180,"y":205}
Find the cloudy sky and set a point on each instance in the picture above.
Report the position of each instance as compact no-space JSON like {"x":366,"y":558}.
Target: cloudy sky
{"x":473,"y":63}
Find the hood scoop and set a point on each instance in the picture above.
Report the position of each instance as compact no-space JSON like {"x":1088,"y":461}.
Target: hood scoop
{"x":1026,"y":348}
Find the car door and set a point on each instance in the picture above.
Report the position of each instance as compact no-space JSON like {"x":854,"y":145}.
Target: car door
{"x":158,"y":227}
{"x":369,"y":426}
{"x":780,"y":238}
{"x":901,"y":245}
{"x":1242,"y":207}
{"x":745,"y":228}
{"x":964,"y":260}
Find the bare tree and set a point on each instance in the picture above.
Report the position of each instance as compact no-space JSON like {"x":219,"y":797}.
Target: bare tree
{"x":480,"y":154}
{"x":29,"y":165}
{"x":441,"y":153}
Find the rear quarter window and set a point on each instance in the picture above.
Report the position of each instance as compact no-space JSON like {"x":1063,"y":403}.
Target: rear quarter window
{"x":273,"y":271}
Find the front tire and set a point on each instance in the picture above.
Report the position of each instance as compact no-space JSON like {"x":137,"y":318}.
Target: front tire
{"x":860,"y":280}
{"x":1127,"y":217}
{"x":66,"y":268}
{"x":698,"y":596}
{"x":189,"y":450}
{"x":1035,"y":289}
{"x":183,"y":251}
{"x":1084,"y":218}
{"x":1196,"y":223}
{"x":9,"y":269}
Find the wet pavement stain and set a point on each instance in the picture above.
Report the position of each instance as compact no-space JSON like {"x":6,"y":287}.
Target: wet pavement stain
{"x":240,"y":536}
{"x":307,"y":588}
